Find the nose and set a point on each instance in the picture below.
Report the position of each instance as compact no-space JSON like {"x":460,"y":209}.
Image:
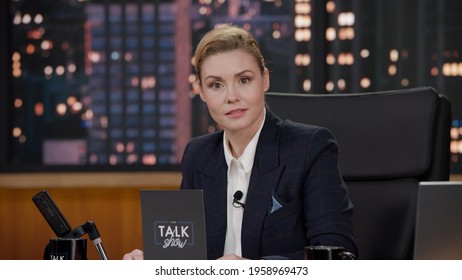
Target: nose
{"x":231,"y":95}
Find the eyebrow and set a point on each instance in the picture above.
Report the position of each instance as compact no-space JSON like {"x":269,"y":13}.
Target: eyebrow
{"x":235,"y":75}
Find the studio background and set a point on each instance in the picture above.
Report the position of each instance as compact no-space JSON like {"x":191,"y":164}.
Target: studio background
{"x":99,"y":97}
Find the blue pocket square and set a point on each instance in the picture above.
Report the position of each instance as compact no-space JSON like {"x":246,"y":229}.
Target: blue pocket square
{"x":276,"y":203}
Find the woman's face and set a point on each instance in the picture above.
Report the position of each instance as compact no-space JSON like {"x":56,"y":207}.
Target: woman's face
{"x":233,"y":88}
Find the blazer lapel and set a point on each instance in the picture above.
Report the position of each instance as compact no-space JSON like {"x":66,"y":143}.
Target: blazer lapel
{"x":264,"y":179}
{"x":214,"y":178}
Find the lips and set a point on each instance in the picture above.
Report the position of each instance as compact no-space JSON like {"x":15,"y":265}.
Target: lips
{"x":236,"y":113}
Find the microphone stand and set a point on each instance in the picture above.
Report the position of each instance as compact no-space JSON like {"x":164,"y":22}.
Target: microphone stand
{"x":61,"y":227}
{"x":90,"y":228}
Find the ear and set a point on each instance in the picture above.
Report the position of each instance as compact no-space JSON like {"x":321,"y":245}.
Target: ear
{"x":266,"y":80}
{"x":202,"y":96}
{"x":199,"y":84}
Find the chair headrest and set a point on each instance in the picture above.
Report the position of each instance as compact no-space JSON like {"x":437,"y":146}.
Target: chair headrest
{"x":379,"y":134}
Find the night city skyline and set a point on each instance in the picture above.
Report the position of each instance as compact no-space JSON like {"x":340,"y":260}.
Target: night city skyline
{"x":111,"y":83}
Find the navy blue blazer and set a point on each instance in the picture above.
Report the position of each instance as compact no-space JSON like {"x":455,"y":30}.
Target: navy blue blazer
{"x":296,"y":167}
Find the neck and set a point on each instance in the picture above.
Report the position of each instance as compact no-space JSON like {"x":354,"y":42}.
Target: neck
{"x":238,"y":144}
{"x":238,"y":140}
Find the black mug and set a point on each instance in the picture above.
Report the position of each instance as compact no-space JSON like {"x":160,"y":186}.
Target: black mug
{"x":321,"y":252}
{"x":66,"y":249}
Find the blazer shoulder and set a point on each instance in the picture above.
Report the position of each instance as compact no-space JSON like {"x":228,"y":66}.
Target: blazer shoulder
{"x":297,"y":129}
{"x":203,"y":154}
{"x":207,"y":140}
{"x":203,"y":147}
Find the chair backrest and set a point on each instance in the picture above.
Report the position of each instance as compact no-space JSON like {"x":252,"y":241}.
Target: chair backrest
{"x":388,"y":143}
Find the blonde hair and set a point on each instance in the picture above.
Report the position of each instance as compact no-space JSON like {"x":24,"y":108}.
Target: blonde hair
{"x":227,"y":38}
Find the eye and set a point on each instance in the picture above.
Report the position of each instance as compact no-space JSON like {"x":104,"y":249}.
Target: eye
{"x":215,"y":85}
{"x":244,"y":80}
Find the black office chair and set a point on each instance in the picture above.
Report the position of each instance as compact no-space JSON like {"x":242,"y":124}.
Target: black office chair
{"x":388,"y":143}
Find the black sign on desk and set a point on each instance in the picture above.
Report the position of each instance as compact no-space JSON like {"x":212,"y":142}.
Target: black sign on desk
{"x":173,"y":224}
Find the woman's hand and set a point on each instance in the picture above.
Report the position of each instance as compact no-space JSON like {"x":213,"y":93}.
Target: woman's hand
{"x":134,"y":255}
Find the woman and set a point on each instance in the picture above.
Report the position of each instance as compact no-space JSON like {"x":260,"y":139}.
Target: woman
{"x":292,"y":192}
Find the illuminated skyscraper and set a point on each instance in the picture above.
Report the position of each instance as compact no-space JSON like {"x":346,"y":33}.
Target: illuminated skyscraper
{"x":108,"y":78}
{"x":47,"y":75}
{"x":94,"y":83}
{"x":131,"y":60}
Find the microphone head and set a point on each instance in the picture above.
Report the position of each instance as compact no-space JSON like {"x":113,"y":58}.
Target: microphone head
{"x":238,"y":195}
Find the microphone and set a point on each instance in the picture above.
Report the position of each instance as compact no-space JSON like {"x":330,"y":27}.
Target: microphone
{"x":236,"y":197}
{"x":61,"y":226}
